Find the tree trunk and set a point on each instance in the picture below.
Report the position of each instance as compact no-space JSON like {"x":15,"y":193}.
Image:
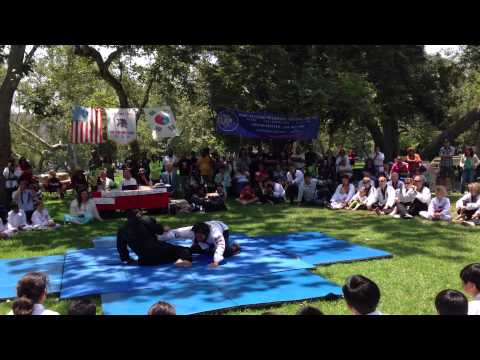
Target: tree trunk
{"x":391,"y":138}
{"x":451,"y":133}
{"x":7,"y":90}
{"x":375,"y":131}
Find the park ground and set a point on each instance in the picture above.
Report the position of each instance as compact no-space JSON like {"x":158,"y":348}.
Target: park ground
{"x":427,"y":257}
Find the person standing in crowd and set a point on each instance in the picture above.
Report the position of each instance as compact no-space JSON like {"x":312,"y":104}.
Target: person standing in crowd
{"x":78,"y":179}
{"x":352,"y":157}
{"x":446,"y":164}
{"x":109,"y":166}
{"x":26,"y":169}
{"x":155,"y":169}
{"x":223,"y":178}
{"x":11,"y":175}
{"x":205,"y":166}
{"x":400,"y":167}
{"x":128,"y":181}
{"x":298,"y":159}
{"x":25,"y":198}
{"x":294,"y":179}
{"x":370,"y":168}
{"x":468,"y":163}
{"x":413,"y":160}
{"x":378,"y":158}
{"x":82,"y":210}
{"x":104,"y":183}
{"x":342,"y":163}
{"x":170,"y":177}
{"x":343,"y":194}
{"x":184,"y":171}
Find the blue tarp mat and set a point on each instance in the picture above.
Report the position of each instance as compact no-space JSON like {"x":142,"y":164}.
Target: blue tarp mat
{"x":203,"y":296}
{"x":11,"y":270}
{"x":99,"y":271}
{"x":277,"y":287}
{"x":187,"y":298}
{"x":320,"y":249}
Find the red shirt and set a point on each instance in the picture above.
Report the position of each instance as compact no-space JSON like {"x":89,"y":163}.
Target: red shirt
{"x":400,"y":168}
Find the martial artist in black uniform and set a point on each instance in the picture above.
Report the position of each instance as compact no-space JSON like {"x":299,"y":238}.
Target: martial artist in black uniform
{"x":140,"y":234}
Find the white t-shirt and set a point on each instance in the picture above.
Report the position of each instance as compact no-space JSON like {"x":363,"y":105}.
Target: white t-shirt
{"x":167,"y":159}
{"x":16,"y":219}
{"x":129,"y":182}
{"x":378,"y":159}
{"x":474,"y":306}
{"x":40,"y":218}
{"x":39,"y":309}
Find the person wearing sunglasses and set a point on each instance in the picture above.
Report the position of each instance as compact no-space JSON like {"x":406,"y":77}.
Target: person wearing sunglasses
{"x":421,"y":199}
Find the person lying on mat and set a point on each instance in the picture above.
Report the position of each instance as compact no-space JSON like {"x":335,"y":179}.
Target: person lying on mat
{"x":210,"y":237}
{"x":139,"y":234}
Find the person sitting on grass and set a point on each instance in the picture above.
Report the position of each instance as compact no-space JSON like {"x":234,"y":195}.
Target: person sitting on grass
{"x":210,"y":237}
{"x":17,"y":220}
{"x":82,"y":307}
{"x":82,"y":210}
{"x":5,"y":231}
{"x":294,"y":179}
{"x":359,"y":200}
{"x":41,"y":218}
{"x":470,"y":276}
{"x":31,"y":294}
{"x":439,"y":208}
{"x":162,"y":308}
{"x":395,"y":182}
{"x":469,"y":203}
{"x":400,"y":167}
{"x":343,"y":194}
{"x":274,"y":193}
{"x":421,"y":199}
{"x":309,"y":310}
{"x":451,"y":302}
{"x":361,"y":295}
{"x":140,"y":235}
{"x":247,"y":195}
{"x":382,"y":199}
{"x":307,"y":191}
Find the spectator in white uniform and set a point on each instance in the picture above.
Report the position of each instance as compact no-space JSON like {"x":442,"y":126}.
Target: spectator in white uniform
{"x":382,"y":199}
{"x":439,"y":208}
{"x":41,"y":218}
{"x":307,"y":191}
{"x":17,"y":220}
{"x":343,"y":194}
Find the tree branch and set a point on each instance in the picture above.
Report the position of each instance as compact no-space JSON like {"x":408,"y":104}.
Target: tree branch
{"x":39,"y":139}
{"x":30,"y":54}
{"x":114,"y":55}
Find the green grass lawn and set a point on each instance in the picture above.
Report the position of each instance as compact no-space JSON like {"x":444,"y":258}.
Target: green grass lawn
{"x":427,"y":258}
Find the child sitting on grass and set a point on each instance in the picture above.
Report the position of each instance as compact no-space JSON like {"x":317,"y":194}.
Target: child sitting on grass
{"x":17,"y":220}
{"x":161,"y":308}
{"x":247,"y":195}
{"x":439,"y":207}
{"x":470,"y":276}
{"x":451,"y":302}
{"x":362,"y":295}
{"x":31,"y":294}
{"x":358,"y":200}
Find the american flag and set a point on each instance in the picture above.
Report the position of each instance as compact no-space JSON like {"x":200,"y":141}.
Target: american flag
{"x":87,"y":126}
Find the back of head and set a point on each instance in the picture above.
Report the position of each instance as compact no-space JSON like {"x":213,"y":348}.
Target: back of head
{"x":309,"y":310}
{"x":451,"y":302}
{"x":361,"y":293}
{"x":471,"y":273}
{"x":23,"y":306}
{"x":161,"y":308}
{"x":82,"y":307}
{"x":202,"y":228}
{"x":33,"y":286}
